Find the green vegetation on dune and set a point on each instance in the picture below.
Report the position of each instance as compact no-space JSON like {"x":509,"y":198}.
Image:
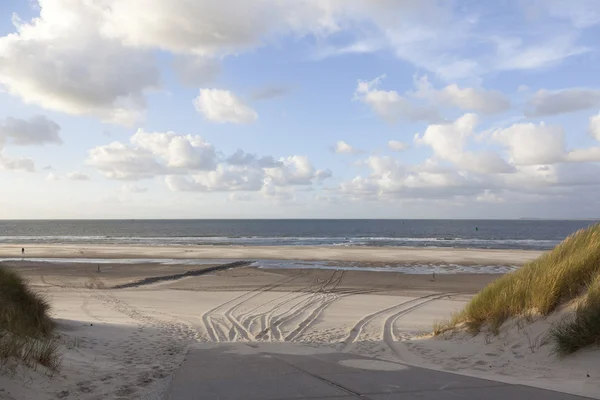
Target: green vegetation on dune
{"x":25,"y":326}
{"x":583,"y":328}
{"x":570,"y":271}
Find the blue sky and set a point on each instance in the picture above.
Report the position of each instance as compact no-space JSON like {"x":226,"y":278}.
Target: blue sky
{"x":342,"y":109}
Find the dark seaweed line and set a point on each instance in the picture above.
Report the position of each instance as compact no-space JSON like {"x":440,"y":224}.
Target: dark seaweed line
{"x":154,"y":279}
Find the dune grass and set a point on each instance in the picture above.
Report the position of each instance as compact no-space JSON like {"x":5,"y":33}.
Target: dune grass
{"x":25,"y":326}
{"x":583,"y":328}
{"x":570,"y":270}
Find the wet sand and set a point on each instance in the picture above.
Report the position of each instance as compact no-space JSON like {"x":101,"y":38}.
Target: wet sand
{"x":85,"y":275}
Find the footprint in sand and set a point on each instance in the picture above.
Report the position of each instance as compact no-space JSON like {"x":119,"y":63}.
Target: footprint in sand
{"x":125,"y":391}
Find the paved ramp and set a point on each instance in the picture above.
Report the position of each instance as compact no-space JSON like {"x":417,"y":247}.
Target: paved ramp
{"x":268,"y":372}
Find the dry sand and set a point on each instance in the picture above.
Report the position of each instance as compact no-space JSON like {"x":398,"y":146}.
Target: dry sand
{"x":121,"y":344}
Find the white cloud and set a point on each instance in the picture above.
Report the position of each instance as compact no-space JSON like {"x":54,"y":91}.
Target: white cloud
{"x":489,"y":197}
{"x":223,"y":106}
{"x":470,"y":99}
{"x":52,"y":177}
{"x":390,"y":105}
{"x":240,"y":196}
{"x":242,"y":158}
{"x":395,"y":145}
{"x":188,"y":163}
{"x":594,"y":127}
{"x":152,"y":154}
{"x":119,"y":161}
{"x":590,"y":154}
{"x":60,"y":62}
{"x":296,"y":170}
{"x":132,"y":188}
{"x":23,"y":164}
{"x":177,"y":151}
{"x":448,"y":142}
{"x":545,"y":102}
{"x":342,"y":147}
{"x":224,"y":178}
{"x":210,"y":28}
{"x":531,"y":144}
{"x":38,"y":130}
{"x":78,"y":176}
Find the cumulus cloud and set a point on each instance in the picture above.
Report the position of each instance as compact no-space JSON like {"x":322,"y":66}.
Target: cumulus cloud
{"x":395,"y":145}
{"x":60,"y":62}
{"x":545,"y":102}
{"x":530,"y":144}
{"x":342,"y":147}
{"x":223,"y":106}
{"x":177,"y":151}
{"x":37,"y":130}
{"x":23,"y":164}
{"x":78,"y":176}
{"x":469,"y":99}
{"x":448,"y":142}
{"x":242,"y":158}
{"x":390,"y":105}
{"x":189,"y":164}
{"x":295,"y":170}
{"x":465,"y":166}
{"x":224,"y":178}
{"x":210,"y":28}
{"x":151,"y":154}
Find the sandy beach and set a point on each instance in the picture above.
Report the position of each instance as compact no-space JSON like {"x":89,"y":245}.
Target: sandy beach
{"x":126,"y":343}
{"x":336,"y":253}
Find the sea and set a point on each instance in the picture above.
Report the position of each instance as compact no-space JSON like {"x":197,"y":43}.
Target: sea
{"x":474,"y":234}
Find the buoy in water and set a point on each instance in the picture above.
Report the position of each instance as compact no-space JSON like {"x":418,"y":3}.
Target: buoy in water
{"x":476,"y":228}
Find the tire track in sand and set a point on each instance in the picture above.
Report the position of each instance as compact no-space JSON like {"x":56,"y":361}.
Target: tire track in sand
{"x":207,"y":316}
{"x":321,"y":297}
{"x":409,"y":304}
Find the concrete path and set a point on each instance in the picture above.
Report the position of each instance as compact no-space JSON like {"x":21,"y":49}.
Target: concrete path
{"x":263,"y":371}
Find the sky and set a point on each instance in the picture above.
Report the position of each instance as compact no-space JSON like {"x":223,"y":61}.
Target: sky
{"x":299,"y":109}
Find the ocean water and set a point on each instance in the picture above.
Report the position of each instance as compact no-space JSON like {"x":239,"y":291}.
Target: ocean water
{"x":479,"y":234}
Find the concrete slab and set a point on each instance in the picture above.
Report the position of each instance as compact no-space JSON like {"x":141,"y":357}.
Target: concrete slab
{"x":512,"y":392}
{"x":274,"y":372}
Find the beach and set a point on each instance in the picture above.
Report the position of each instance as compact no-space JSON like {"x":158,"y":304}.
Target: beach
{"x":126,"y":343}
{"x":324,"y":253}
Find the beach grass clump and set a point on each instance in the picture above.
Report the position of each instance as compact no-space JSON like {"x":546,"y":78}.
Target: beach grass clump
{"x":581,"y":329}
{"x":570,"y":271}
{"x":25,"y":325}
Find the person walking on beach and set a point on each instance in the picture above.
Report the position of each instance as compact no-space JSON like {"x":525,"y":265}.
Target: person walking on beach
{"x":22,"y":251}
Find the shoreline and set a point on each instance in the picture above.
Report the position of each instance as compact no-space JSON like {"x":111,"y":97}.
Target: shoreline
{"x":307,"y":253}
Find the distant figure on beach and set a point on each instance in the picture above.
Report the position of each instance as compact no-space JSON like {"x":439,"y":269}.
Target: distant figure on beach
{"x":22,"y":251}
